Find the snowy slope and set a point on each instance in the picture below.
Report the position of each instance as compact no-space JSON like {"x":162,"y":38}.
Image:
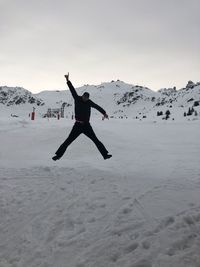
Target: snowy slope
{"x":119,"y":99}
{"x":123,"y":100}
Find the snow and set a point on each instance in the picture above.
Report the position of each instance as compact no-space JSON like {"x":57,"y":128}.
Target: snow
{"x":120,"y":99}
{"x":141,"y":208}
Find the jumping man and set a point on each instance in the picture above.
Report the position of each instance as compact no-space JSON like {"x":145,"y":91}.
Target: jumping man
{"x":82,"y":125}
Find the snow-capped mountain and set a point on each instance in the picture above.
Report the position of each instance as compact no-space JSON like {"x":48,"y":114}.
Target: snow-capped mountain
{"x":10,"y":96}
{"x":119,"y":99}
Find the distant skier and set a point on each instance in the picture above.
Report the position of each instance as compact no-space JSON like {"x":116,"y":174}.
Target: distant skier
{"x":82,"y":125}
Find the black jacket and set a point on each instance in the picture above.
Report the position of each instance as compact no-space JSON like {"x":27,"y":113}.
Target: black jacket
{"x":83,"y":109}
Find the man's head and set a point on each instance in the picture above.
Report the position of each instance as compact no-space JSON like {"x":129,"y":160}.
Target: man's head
{"x":85,"y":96}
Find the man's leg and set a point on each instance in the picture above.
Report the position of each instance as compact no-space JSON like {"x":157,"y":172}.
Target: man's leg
{"x":75,"y":132}
{"x":88,"y":131}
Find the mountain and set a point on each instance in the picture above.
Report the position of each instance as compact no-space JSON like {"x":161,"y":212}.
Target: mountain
{"x":121,"y":100}
{"x":10,"y":96}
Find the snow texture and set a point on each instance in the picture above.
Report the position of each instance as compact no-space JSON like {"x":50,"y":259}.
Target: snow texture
{"x":140,"y":208}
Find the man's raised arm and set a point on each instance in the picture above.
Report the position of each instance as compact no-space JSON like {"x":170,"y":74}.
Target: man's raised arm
{"x":71,"y":87}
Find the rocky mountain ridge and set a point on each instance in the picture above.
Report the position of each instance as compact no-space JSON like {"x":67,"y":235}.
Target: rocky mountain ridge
{"x":10,"y":96}
{"x":119,"y":98}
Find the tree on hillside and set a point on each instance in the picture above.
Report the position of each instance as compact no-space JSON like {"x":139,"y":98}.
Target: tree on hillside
{"x":196,"y":103}
{"x":167,"y":113}
{"x":189,"y":113}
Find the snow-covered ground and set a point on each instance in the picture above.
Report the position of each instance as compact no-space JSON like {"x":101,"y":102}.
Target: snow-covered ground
{"x":140,"y":208}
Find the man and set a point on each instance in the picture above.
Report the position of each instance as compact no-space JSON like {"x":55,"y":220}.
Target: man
{"x":82,"y":125}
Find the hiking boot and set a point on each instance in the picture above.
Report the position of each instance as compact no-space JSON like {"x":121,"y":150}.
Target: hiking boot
{"x":108,"y":156}
{"x":56,"y":157}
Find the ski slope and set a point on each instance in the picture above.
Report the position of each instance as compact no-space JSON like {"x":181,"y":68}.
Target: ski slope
{"x":140,"y":208}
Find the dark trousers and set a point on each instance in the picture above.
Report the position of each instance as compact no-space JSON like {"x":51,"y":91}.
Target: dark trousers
{"x":78,"y":129}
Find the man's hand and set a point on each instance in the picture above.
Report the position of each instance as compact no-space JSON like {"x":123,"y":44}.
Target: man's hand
{"x":105,"y":116}
{"x":67,"y":77}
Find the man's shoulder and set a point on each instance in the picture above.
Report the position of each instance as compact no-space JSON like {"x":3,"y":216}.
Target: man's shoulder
{"x":78,"y":98}
{"x":90,"y":102}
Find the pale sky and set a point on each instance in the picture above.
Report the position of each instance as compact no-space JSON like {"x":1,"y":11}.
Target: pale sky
{"x":155,"y":43}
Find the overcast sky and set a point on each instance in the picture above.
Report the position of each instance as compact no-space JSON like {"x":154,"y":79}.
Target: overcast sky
{"x":155,"y":43}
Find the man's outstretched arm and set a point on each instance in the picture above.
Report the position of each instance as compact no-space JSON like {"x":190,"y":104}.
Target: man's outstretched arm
{"x":71,"y":87}
{"x":100,"y":109}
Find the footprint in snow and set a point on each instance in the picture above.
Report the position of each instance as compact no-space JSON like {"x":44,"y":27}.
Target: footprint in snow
{"x":130,"y":248}
{"x":146,"y":244}
{"x":164,"y":224}
{"x":181,"y":244}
